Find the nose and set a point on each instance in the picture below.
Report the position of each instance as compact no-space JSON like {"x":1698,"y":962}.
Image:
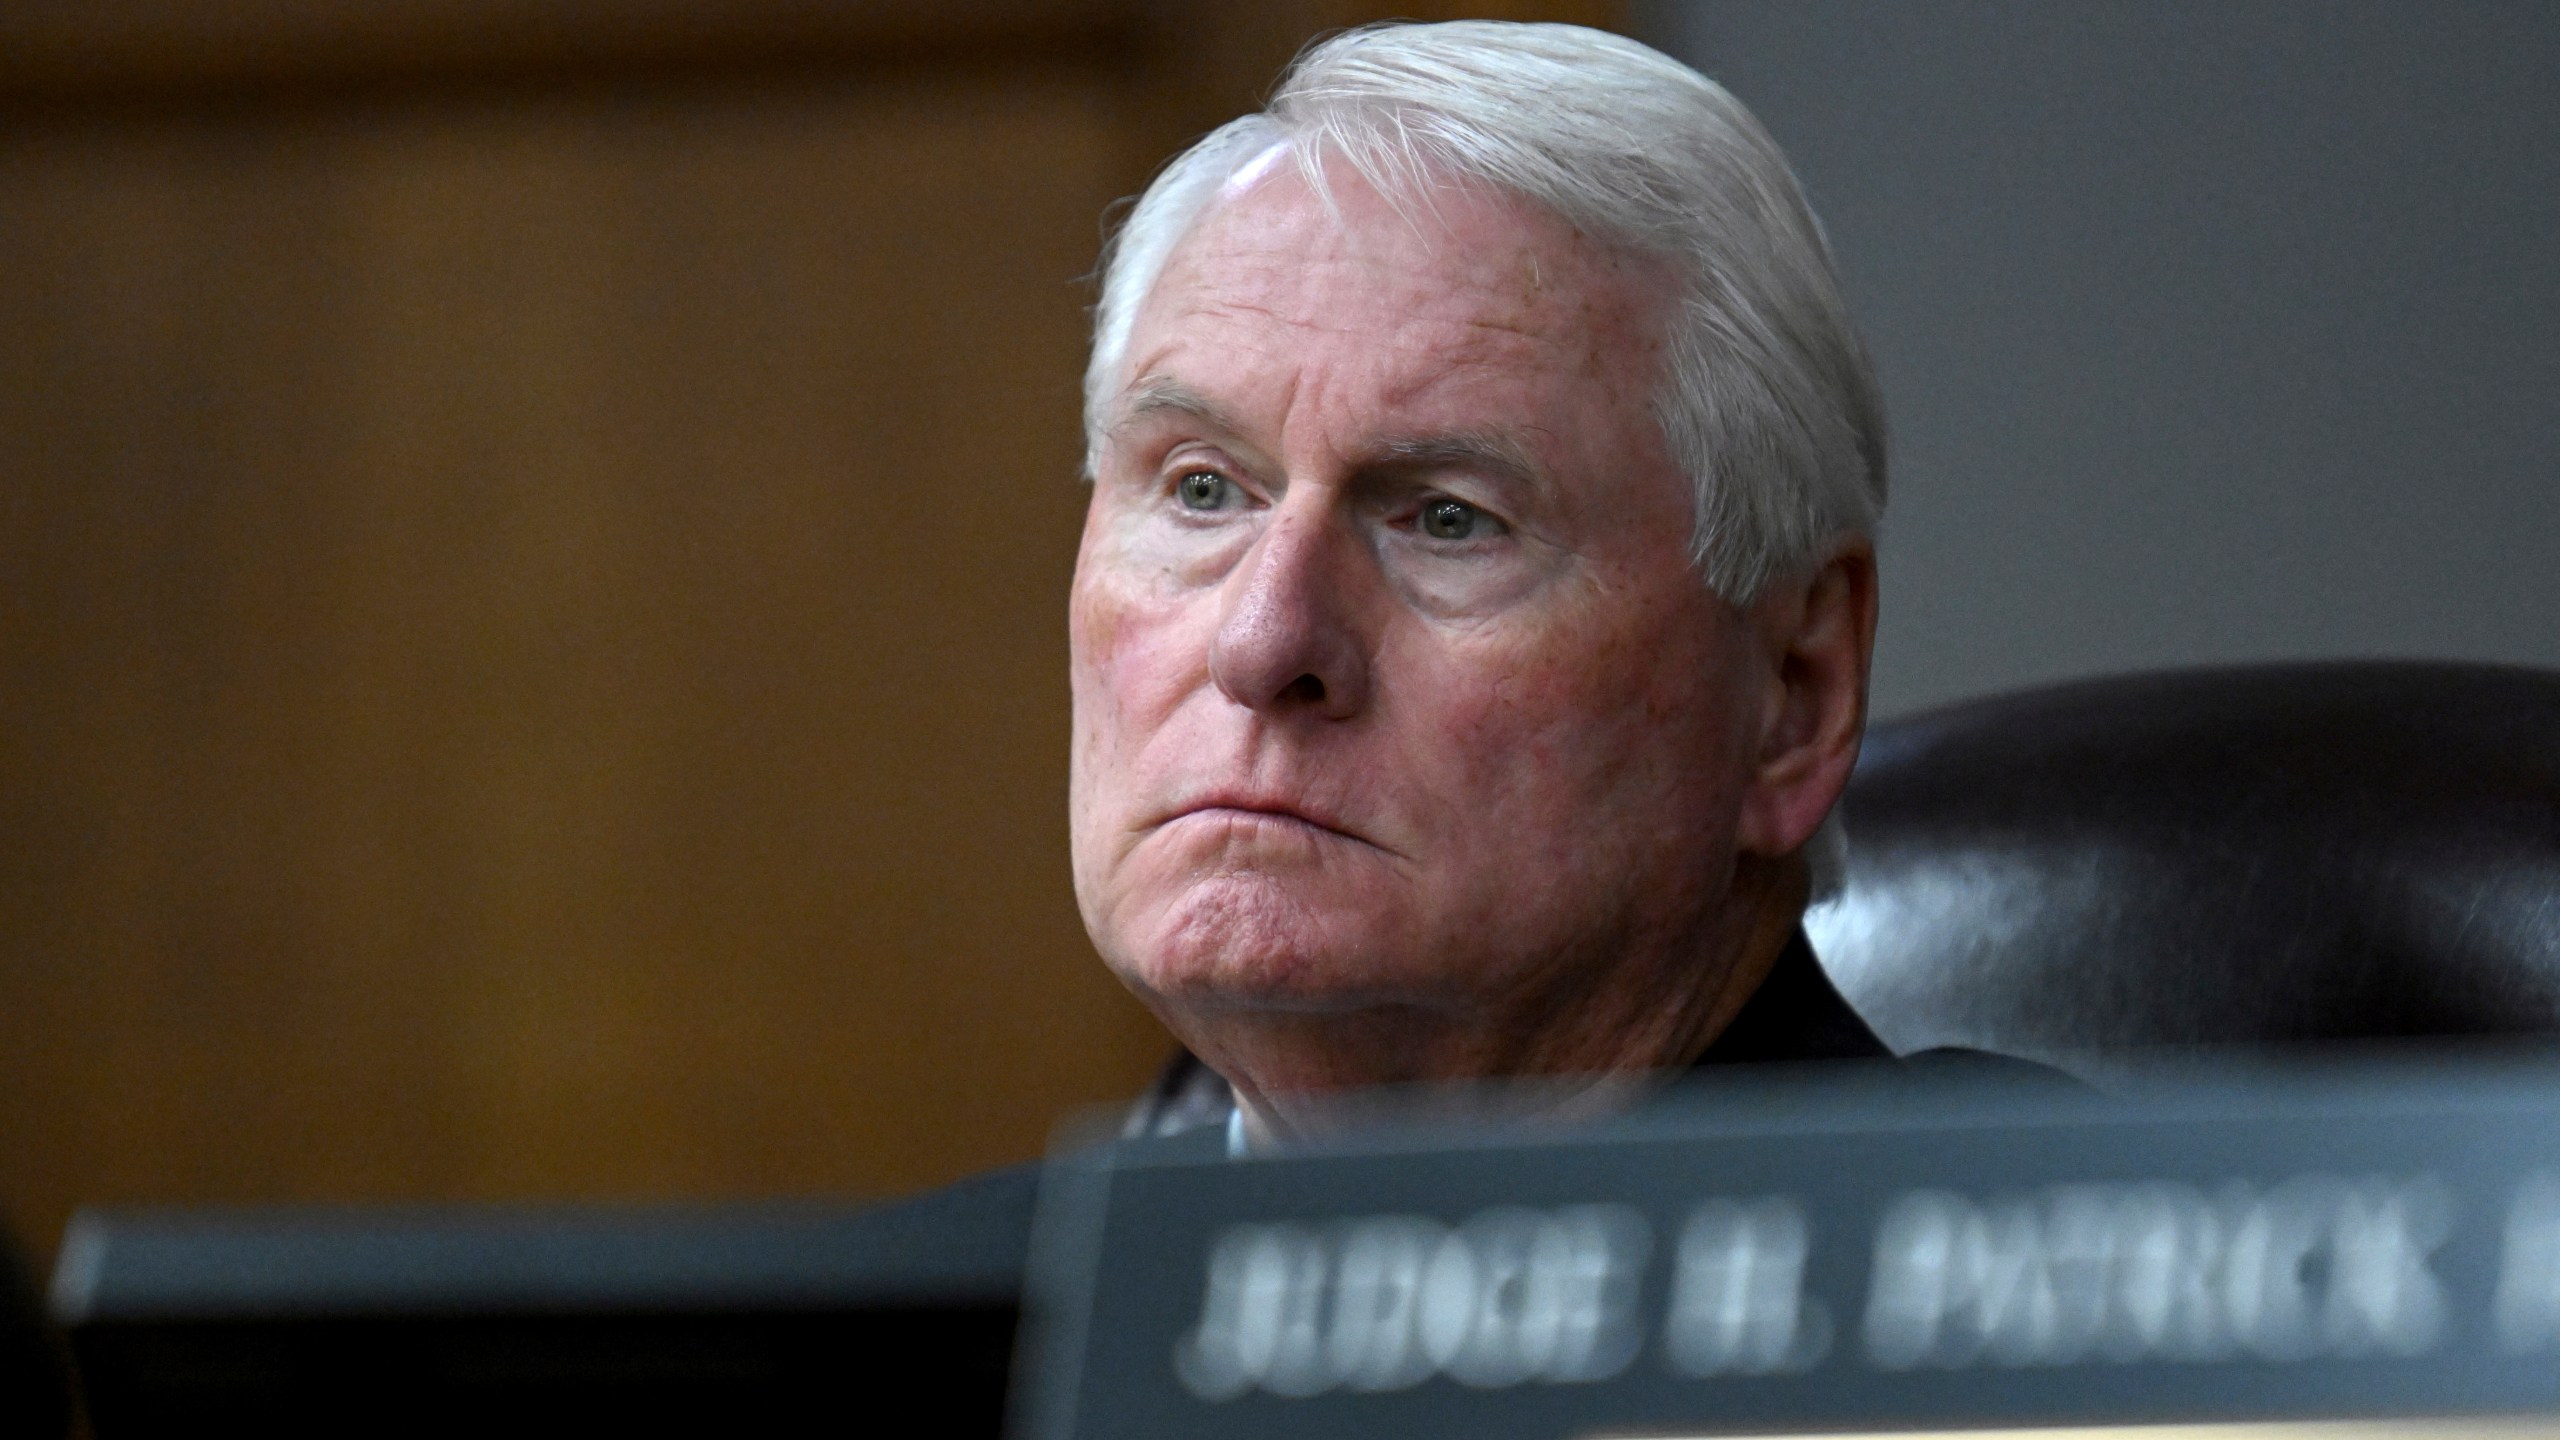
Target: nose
{"x":1287,"y":639}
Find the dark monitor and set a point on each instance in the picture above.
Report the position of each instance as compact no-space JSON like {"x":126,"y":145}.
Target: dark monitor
{"x":779,"y":1319}
{"x":34,"y":1393}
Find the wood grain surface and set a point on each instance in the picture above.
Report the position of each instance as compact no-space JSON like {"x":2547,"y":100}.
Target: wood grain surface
{"x":532,"y":570}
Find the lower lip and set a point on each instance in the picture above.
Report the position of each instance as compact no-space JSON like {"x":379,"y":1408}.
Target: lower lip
{"x":1272,"y":817}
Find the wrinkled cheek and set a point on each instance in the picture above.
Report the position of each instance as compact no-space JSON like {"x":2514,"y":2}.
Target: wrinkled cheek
{"x":1129,"y":668}
{"x":1105,"y":668}
{"x":1094,"y":627}
{"x":1518,"y":738}
{"x":1580,"y":768}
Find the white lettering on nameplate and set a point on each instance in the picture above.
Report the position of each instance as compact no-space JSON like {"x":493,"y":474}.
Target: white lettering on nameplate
{"x":2315,"y":1266}
{"x":1381,"y":1303}
{"x":2527,"y":1304}
{"x":1738,"y":1305}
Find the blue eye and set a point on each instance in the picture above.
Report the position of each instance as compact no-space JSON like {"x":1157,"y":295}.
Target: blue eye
{"x":1453,"y":520}
{"x":1205,"y":490}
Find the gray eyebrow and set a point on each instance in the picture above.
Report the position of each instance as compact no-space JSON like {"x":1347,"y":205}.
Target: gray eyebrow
{"x":1489,"y":450}
{"x":1156,"y":395}
{"x":1493,"y":451}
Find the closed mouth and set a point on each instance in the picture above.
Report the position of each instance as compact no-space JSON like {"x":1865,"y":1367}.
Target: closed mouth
{"x":1247,"y":810}
{"x":1261,"y":812}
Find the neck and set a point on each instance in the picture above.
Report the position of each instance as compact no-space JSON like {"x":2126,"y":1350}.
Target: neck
{"x":1566,"y":1057}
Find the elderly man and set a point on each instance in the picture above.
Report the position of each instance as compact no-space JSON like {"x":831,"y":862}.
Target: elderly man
{"x":1471,"y":627}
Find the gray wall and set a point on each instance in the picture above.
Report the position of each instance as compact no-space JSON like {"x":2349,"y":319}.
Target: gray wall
{"x":2211,"y":331}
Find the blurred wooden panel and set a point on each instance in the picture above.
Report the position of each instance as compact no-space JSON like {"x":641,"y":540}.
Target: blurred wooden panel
{"x":532,"y":613}
{"x":91,"y":50}
{"x":534,"y":649}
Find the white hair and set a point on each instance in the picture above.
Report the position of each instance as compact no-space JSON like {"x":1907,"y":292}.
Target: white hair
{"x":1769,"y":403}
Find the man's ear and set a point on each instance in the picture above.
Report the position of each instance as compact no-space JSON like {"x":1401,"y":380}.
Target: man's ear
{"x":1817,"y":634}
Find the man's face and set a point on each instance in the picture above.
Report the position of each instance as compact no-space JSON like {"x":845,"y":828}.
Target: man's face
{"x":1395,"y":690}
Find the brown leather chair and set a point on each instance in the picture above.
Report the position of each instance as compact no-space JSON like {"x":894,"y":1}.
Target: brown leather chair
{"x":2209,"y":858}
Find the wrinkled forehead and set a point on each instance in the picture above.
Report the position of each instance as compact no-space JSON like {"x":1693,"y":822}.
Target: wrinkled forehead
{"x":1461,"y":270}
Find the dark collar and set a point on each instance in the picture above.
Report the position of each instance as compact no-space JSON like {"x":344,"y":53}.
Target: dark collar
{"x":1795,"y":1015}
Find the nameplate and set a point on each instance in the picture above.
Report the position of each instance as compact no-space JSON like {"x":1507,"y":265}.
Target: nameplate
{"x":1840,"y":1253}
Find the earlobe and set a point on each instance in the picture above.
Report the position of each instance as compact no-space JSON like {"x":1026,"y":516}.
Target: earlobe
{"x":1819,"y":635}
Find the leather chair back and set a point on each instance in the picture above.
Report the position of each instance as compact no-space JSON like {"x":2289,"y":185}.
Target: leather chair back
{"x":2225,"y":857}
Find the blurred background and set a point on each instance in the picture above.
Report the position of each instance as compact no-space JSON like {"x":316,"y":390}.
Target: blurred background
{"x":533,"y":533}
{"x":533,"y":547}
{"x":2212,"y":330}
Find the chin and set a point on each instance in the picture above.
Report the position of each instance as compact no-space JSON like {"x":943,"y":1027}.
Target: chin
{"x":1249,"y":942}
